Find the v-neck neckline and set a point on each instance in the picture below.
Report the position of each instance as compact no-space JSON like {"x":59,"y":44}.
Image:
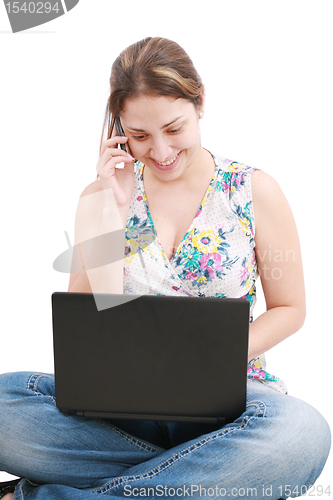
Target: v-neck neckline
{"x":204,"y":199}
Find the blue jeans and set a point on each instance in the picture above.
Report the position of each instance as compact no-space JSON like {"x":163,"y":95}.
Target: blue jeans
{"x":279,"y":442}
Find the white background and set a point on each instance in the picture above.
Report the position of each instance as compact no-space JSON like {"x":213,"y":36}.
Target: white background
{"x":267,"y":68}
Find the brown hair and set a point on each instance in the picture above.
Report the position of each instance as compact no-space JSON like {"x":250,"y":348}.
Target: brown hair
{"x":153,"y":66}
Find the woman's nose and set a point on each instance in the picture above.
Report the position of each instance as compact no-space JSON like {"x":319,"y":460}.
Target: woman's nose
{"x":160,"y":150}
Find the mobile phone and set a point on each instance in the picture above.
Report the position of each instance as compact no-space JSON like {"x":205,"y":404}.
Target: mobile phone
{"x":120,"y":132}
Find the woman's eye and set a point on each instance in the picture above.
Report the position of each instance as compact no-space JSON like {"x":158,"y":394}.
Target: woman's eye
{"x":139,"y":137}
{"x":144,"y":136}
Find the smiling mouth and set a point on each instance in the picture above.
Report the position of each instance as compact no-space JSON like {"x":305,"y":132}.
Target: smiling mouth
{"x":169,"y":162}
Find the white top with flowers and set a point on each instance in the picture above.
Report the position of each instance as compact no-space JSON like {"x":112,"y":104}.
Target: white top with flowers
{"x":216,"y":257}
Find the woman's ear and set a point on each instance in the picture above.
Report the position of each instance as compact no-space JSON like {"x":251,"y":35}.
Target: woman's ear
{"x":201,"y":102}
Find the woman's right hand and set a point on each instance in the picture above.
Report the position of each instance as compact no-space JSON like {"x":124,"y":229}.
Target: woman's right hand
{"x":120,"y":180}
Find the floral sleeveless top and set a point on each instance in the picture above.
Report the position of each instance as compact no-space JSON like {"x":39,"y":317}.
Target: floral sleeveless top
{"x":216,"y":257}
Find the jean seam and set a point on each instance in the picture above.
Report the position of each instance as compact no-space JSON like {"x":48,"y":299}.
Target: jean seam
{"x":34,"y":379}
{"x":130,"y":438}
{"x":114,"y":483}
{"x":32,"y":385}
{"x":18,"y":495}
{"x":21,"y":494}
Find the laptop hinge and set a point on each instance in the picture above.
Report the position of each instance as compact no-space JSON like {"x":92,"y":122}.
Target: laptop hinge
{"x":94,"y":414}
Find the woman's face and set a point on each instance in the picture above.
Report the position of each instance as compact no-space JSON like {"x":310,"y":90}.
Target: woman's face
{"x":163,"y":133}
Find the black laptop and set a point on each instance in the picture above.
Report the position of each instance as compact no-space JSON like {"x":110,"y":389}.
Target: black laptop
{"x":152,"y":357}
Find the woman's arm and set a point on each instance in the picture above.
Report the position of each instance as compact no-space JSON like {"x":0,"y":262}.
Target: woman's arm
{"x":95,"y":217}
{"x":280,"y":267}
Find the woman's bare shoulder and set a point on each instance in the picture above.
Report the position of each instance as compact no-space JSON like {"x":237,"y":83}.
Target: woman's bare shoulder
{"x":266,"y":192}
{"x":263,"y":182}
{"x":271,"y":207}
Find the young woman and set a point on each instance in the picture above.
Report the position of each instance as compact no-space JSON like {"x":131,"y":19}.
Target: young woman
{"x":213,"y":225}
